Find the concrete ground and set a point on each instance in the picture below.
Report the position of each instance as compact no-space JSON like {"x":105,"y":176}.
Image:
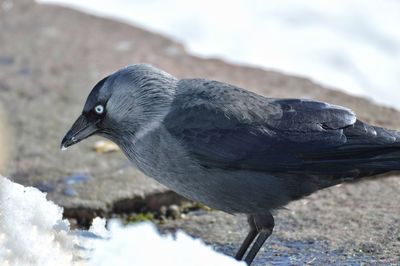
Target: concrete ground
{"x":50,"y":58}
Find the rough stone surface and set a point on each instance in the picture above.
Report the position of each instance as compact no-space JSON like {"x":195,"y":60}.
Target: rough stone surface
{"x":50,"y":58}
{"x":356,"y":224}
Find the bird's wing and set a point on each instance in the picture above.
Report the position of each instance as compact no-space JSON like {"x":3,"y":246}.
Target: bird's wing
{"x":226,"y":127}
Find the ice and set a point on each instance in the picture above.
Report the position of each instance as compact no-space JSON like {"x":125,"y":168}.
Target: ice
{"x":32,"y":232}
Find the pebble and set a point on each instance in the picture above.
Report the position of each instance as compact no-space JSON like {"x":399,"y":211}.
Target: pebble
{"x":173,"y":211}
{"x":105,"y":146}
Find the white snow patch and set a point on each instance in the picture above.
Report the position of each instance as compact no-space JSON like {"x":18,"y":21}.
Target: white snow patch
{"x":32,"y":232}
{"x":141,"y":244}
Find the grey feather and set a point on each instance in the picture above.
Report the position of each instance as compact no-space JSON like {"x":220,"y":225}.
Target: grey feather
{"x":232,"y":149}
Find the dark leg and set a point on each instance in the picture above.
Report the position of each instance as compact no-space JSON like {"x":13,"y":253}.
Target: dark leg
{"x":264,"y":224}
{"x":256,"y":247}
{"x":249,"y":239}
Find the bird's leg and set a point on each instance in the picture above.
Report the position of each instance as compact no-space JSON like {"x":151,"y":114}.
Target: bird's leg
{"x":264,"y":224}
{"x":249,"y":238}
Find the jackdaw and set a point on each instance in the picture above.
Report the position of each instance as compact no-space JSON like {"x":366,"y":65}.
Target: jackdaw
{"x":229,"y":148}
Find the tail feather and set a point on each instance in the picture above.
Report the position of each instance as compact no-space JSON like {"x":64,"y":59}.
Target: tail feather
{"x":369,"y":151}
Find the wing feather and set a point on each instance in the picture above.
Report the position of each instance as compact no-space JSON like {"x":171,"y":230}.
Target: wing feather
{"x":227,"y":127}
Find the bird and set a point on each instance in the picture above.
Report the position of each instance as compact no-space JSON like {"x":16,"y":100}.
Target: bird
{"x":229,"y":148}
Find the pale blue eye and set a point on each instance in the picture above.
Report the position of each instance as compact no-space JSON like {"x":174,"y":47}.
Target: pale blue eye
{"x":99,"y":109}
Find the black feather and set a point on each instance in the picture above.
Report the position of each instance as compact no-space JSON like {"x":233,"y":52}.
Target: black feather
{"x":230,"y":128}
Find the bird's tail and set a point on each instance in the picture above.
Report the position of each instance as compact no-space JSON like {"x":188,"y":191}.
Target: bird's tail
{"x":381,"y":158}
{"x":370,"y":152}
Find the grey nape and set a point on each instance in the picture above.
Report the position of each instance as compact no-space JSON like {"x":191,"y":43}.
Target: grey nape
{"x":229,"y":148}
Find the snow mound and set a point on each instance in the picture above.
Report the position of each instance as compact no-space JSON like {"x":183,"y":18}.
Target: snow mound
{"x":141,"y":244}
{"x":32,"y":232}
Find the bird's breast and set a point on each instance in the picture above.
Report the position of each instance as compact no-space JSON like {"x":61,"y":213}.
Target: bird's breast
{"x":162,"y":157}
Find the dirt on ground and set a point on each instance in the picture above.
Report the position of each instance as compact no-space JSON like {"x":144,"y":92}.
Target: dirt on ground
{"x":51,"y":57}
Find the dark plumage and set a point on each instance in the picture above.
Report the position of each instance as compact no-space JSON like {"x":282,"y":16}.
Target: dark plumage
{"x":229,"y":128}
{"x":230,"y":148}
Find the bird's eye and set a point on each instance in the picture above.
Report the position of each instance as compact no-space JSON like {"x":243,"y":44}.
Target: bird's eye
{"x":99,"y":109}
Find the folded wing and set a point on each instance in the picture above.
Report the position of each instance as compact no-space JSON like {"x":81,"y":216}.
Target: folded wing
{"x":224,"y":126}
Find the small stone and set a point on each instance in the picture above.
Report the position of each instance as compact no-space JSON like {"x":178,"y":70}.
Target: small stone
{"x":173,"y":211}
{"x":105,"y":146}
{"x":369,"y":248}
{"x":73,"y":223}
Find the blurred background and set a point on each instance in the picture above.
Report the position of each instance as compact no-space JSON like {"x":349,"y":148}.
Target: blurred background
{"x":352,"y":45}
{"x":345,"y":52}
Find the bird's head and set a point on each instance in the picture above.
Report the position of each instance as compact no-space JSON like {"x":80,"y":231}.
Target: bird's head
{"x":123,"y":103}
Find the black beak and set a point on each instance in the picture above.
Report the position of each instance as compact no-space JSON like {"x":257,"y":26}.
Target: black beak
{"x":80,"y":130}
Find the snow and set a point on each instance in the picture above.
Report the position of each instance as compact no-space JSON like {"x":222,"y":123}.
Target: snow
{"x":141,"y":244}
{"x":353,"y":45}
{"x":32,"y":232}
